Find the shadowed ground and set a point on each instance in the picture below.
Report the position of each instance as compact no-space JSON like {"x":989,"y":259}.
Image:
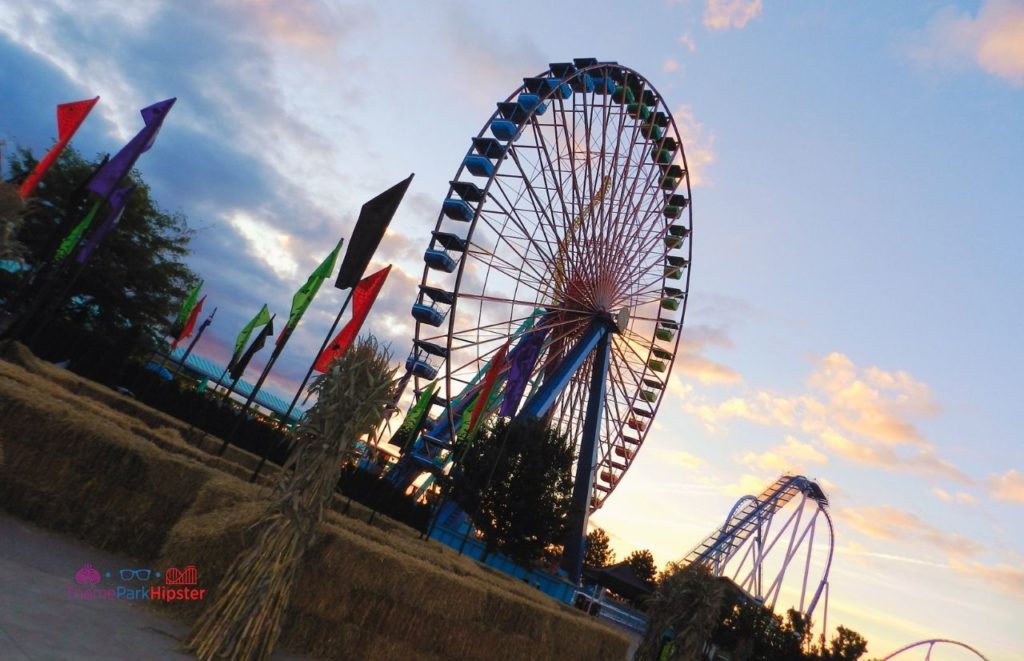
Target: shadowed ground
{"x":39,"y":621}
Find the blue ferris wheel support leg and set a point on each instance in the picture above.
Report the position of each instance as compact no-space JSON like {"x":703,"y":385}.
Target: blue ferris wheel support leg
{"x":594,"y":340}
{"x":579,"y":509}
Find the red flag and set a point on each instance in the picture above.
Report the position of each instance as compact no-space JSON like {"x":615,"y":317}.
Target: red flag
{"x":498,"y":365}
{"x":69,"y":117}
{"x":190,"y":324}
{"x":363,"y":297}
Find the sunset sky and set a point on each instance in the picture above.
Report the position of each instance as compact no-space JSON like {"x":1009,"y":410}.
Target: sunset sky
{"x":858,"y":266}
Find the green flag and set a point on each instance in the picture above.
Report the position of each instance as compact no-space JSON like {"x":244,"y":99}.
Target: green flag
{"x":261,"y":318}
{"x":304,"y":296}
{"x":186,"y":307}
{"x":414,"y":419}
{"x":75,"y":235}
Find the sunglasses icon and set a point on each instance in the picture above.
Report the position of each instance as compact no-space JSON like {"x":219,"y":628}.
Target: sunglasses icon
{"x":140,"y":574}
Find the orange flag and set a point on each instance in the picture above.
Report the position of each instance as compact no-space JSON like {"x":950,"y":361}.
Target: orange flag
{"x":363,"y":297}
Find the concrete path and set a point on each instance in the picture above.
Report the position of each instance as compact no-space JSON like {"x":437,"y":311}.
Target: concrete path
{"x":42,"y":614}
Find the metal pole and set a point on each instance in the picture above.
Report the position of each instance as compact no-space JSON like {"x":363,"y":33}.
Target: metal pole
{"x":579,"y":508}
{"x":252,"y":396}
{"x":323,"y":346}
{"x":192,"y":344}
{"x":284,"y":418}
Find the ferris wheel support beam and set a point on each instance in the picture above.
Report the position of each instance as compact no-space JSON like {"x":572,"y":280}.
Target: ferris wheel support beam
{"x":579,"y":508}
{"x":540,"y":402}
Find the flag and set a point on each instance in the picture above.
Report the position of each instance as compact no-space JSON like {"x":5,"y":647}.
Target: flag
{"x":498,"y":365}
{"x":304,"y":296}
{"x":374,"y":218}
{"x":262,"y":317}
{"x":75,"y":235}
{"x":69,"y":117}
{"x":521,"y":361}
{"x":238,"y":368}
{"x":116,"y":205}
{"x":108,"y":178}
{"x":363,"y":297}
{"x":190,"y":324}
{"x":418,"y":413}
{"x":187,"y":305}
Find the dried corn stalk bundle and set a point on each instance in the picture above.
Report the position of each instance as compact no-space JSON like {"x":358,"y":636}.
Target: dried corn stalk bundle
{"x":244,"y":619}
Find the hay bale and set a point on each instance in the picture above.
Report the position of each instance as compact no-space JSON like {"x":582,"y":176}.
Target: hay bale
{"x":71,"y":471}
{"x":75,"y":464}
{"x":375,"y":601}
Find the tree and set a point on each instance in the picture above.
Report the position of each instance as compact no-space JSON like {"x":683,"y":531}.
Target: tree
{"x":136,"y":278}
{"x":515,"y":482}
{"x":11,"y":208}
{"x":597,"y":552}
{"x":846,"y":645}
{"x":642,"y":563}
{"x":684,"y":611}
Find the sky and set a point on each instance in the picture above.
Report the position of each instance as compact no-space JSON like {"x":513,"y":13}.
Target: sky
{"x":858,"y":258}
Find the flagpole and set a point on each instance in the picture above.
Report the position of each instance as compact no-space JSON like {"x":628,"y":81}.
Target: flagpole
{"x":305,"y":379}
{"x":252,"y":396}
{"x":226,"y":395}
{"x":192,"y":344}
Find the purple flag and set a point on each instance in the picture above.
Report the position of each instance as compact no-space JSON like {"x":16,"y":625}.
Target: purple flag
{"x":521,"y":361}
{"x":116,"y":202}
{"x":110,"y":175}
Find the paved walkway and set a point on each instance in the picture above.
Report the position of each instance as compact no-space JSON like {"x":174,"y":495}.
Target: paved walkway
{"x":39,"y":619}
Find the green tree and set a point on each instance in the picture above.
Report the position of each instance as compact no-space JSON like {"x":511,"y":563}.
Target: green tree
{"x":11,"y":208}
{"x":642,"y":563}
{"x":515,"y":482}
{"x":598,"y":552}
{"x":136,"y":278}
{"x":846,"y":645}
{"x":684,"y":612}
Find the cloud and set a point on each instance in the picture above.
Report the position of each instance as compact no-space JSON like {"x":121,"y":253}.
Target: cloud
{"x":865,"y":415}
{"x":730,"y":14}
{"x":959,"y":497}
{"x":670,"y":65}
{"x":688,"y":462}
{"x":698,"y":144}
{"x":891,"y":524}
{"x":1003,"y":577}
{"x":687,"y":40}
{"x":1008,"y":487}
{"x":992,"y":40}
{"x":792,"y":456}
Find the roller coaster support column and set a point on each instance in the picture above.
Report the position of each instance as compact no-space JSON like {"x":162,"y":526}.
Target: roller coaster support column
{"x":539,"y":405}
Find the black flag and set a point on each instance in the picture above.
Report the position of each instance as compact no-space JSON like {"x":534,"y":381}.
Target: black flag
{"x":374,"y":218}
{"x":239,"y":368}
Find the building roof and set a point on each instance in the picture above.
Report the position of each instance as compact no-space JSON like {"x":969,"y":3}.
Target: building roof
{"x":212,"y":371}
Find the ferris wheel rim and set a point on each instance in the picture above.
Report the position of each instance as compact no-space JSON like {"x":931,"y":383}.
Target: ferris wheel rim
{"x":610,"y":437}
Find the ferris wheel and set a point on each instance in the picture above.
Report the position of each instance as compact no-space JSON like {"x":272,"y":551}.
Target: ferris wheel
{"x":560,"y":260}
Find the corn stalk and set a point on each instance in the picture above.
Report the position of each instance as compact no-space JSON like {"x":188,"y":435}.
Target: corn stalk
{"x":244,"y":619}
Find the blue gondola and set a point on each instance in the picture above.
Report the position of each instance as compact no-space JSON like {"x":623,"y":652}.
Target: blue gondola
{"x":479,"y":166}
{"x":432,"y":306}
{"x":439,"y":255}
{"x":425,"y":359}
{"x":457,"y":210}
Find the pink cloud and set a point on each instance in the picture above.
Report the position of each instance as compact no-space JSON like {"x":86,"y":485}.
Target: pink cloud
{"x":992,"y":40}
{"x":730,"y":14}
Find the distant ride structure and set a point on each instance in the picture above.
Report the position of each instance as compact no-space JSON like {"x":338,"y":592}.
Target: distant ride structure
{"x":929,"y":645}
{"x":771,"y":537}
{"x":555,"y":280}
